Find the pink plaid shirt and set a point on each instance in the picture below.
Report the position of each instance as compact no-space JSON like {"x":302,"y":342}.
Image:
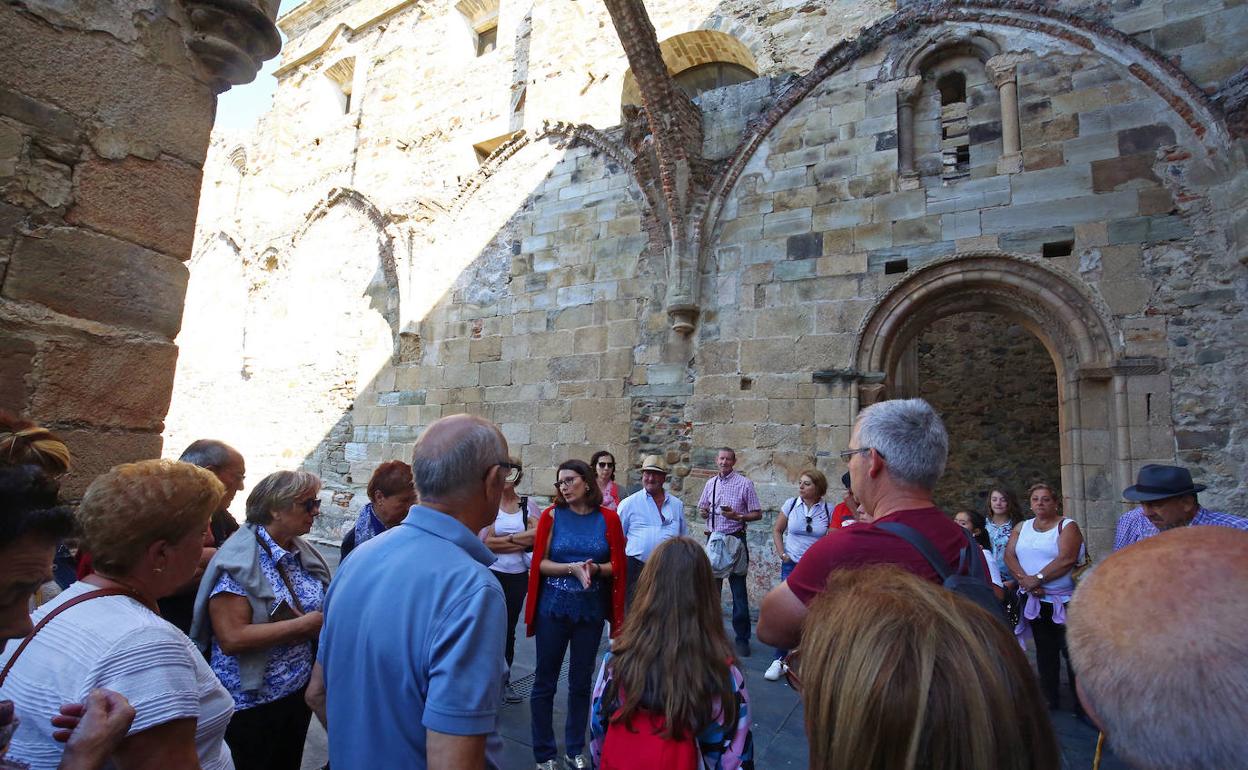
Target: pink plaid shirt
{"x":733,"y":490}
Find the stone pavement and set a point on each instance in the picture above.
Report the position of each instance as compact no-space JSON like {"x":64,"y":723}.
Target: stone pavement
{"x":779,"y":733}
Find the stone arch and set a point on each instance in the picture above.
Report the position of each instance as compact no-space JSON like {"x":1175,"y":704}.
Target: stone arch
{"x":1143,"y":64}
{"x":693,"y":49}
{"x":1072,"y":323}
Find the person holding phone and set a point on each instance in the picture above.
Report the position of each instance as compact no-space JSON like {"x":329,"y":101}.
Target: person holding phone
{"x":729,"y":502}
{"x":258,"y":614}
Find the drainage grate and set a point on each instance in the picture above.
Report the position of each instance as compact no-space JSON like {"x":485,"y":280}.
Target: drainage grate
{"x":524,"y":685}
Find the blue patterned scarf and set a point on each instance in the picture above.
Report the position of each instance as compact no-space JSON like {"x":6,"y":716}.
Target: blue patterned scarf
{"x":368,"y":525}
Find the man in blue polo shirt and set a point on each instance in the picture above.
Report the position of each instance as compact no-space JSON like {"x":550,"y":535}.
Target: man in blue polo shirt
{"x":412,"y":648}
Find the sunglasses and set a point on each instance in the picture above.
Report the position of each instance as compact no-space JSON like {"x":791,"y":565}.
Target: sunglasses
{"x":514,"y":473}
{"x":312,"y":505}
{"x":606,"y":465}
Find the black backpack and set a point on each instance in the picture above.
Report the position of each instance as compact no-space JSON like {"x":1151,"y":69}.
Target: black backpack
{"x":975,"y":585}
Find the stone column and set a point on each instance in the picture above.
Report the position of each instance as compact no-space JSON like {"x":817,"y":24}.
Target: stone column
{"x":907,"y":95}
{"x":1004,"y":77}
{"x":105,"y":114}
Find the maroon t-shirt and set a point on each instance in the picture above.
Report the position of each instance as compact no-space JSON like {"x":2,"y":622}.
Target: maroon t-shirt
{"x":859,"y":545}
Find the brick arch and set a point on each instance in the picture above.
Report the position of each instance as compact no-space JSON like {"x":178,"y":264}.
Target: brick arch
{"x":692,"y":49}
{"x":1073,"y":324}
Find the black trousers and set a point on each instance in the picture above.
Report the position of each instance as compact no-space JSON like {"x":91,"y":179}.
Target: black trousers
{"x":270,"y":736}
{"x":515,"y":588}
{"x":1050,"y":639}
{"x":635,"y":566}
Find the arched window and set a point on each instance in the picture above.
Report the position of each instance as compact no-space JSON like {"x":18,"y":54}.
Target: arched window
{"x":699,"y":61}
{"x":707,"y":77}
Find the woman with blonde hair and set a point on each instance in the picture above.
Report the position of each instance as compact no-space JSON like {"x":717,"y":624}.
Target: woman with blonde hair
{"x":144,"y":523}
{"x":898,"y":673}
{"x":258,"y":614}
{"x":668,"y":693}
{"x":22,"y":442}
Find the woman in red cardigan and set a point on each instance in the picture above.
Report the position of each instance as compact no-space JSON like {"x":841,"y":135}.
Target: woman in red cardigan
{"x":576,"y":584}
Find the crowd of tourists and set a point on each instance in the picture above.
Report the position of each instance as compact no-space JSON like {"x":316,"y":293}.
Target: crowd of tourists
{"x":184,"y":639}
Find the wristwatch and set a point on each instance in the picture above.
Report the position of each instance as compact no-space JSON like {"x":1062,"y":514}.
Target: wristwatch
{"x":1040,"y":576}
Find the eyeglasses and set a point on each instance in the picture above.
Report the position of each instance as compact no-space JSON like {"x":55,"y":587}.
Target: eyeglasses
{"x":606,"y":465}
{"x":561,"y":483}
{"x":514,"y":472}
{"x":848,"y":453}
{"x":312,"y":505}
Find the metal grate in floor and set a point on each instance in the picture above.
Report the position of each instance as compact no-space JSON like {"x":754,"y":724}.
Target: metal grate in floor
{"x":524,"y":685}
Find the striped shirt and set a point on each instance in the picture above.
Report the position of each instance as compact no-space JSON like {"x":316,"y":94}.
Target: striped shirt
{"x":1134,"y":526}
{"x":733,"y":490}
{"x":113,"y":642}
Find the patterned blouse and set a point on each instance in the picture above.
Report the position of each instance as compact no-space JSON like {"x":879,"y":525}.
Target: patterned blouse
{"x":289,"y":665}
{"x":999,"y":537}
{"x":575,"y":537}
{"x":721,"y":746}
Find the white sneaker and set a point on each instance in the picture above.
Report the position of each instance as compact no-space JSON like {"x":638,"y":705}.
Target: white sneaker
{"x":775,"y":670}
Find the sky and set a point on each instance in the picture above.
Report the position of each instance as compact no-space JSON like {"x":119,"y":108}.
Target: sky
{"x":240,"y":107}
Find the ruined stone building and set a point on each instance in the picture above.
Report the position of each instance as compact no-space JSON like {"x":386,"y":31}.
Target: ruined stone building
{"x":105,"y":115}
{"x":670,"y":226}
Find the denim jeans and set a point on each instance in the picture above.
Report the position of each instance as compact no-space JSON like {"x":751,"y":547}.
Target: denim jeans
{"x":786,"y":569}
{"x":554,"y":637}
{"x":740,"y":598}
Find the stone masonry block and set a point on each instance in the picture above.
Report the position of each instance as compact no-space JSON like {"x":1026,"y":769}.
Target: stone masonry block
{"x":95,"y":452}
{"x":1069,"y":181}
{"x":148,"y":202}
{"x":1068,"y":211}
{"x":785,"y":223}
{"x":17,"y":357}
{"x":1113,"y":174}
{"x":768,"y":355}
{"x":104,"y":383}
{"x":485,"y":349}
{"x":88,"y":275}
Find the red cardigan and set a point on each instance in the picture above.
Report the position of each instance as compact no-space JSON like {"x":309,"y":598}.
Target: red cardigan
{"x":619,"y":568}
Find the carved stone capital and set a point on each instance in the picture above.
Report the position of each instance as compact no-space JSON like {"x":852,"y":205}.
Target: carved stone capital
{"x":1000,"y":74}
{"x":684,"y":318}
{"x":232,"y":38}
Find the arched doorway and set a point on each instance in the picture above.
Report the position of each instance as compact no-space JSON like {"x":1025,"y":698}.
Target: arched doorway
{"x":1076,"y":330}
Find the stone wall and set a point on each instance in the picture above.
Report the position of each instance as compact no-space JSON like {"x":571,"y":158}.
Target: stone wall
{"x":105,"y":113}
{"x":531,"y":287}
{"x":995,"y":386}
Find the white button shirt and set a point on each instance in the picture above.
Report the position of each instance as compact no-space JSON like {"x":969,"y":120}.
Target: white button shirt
{"x":646,"y":525}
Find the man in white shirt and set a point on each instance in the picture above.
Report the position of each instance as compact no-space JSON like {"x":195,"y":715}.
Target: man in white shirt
{"x":649,"y":517}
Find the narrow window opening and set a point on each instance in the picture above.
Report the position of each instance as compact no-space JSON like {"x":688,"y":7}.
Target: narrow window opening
{"x":1058,"y":249}
{"x":954,"y":126}
{"x":342,"y":74}
{"x":952,"y":87}
{"x":746,"y":383}
{"x":1148,"y":407}
{"x":894,"y":266}
{"x":487,"y":40}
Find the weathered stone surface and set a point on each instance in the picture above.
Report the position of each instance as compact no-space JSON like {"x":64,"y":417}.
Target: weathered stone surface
{"x":16,"y":364}
{"x":104,"y":383}
{"x":146,"y":202}
{"x":87,"y":275}
{"x":95,"y":452}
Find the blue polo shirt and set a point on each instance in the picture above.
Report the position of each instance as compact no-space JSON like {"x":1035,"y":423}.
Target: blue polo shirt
{"x":413,"y":641}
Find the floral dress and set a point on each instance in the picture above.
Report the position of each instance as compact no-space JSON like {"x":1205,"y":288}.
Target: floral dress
{"x":999,"y":537}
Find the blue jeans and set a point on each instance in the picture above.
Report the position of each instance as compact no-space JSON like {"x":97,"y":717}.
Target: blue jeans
{"x":554,"y":636}
{"x":740,"y":605}
{"x":786,"y":569}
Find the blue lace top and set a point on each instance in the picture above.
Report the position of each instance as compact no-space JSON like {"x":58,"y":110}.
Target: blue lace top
{"x":574,"y":538}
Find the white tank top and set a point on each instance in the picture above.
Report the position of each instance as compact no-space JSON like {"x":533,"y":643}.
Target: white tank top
{"x":1036,"y":549}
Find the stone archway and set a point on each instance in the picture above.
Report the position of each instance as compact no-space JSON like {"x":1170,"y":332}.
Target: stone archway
{"x":1073,"y":324}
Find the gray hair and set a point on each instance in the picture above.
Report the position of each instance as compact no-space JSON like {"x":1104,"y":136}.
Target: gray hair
{"x":910,"y":436}
{"x":277,"y":491}
{"x":443,"y":468}
{"x":208,"y":453}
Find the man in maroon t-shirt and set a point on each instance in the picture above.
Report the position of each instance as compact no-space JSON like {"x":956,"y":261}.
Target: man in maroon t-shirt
{"x":896,"y":455}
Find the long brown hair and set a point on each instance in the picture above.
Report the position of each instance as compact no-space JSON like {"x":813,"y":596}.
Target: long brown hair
{"x":1012,"y":507}
{"x":672,"y":657}
{"x":898,"y":673}
{"x":593,"y":496}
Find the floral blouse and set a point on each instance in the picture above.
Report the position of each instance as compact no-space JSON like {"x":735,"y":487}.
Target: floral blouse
{"x":999,"y":537}
{"x":721,"y":747}
{"x":289,"y":665}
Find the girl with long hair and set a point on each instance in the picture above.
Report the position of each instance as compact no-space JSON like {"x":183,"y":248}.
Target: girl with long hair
{"x":668,"y":693}
{"x":1004,"y":514}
